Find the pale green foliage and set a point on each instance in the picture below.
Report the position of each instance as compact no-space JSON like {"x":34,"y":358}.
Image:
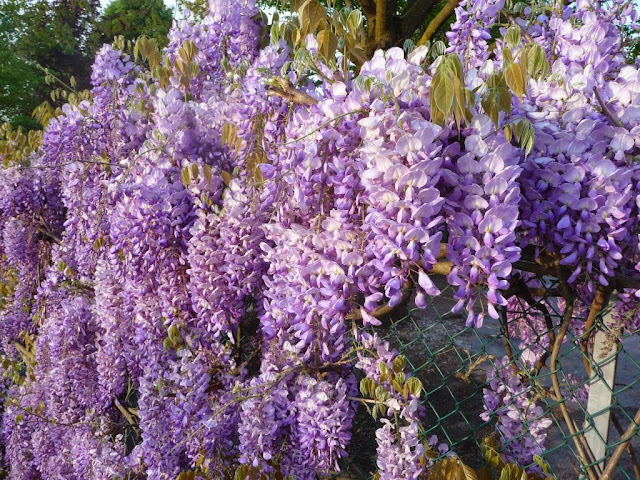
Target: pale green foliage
{"x":449,"y":96}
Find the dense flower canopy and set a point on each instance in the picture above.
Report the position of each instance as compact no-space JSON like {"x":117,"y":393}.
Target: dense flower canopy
{"x":185,"y":220}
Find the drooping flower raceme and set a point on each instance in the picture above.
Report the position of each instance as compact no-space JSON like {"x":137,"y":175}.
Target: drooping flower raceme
{"x":184,"y":260}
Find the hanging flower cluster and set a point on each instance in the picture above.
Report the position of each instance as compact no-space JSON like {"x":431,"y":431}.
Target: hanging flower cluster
{"x":187,"y":260}
{"x":520,"y":420}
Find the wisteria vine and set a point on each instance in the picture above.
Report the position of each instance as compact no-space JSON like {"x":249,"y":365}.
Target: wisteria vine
{"x":187,"y":261}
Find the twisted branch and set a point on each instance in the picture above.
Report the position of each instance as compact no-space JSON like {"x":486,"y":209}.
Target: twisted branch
{"x":631,"y":431}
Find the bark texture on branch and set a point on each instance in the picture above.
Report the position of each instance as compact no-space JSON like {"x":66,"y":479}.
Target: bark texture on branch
{"x":437,"y":22}
{"x":387,"y":27}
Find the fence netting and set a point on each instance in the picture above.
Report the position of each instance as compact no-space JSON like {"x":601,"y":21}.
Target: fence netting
{"x":465,"y":373}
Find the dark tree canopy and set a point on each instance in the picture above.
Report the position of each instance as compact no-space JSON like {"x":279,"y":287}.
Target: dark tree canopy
{"x":37,"y":35}
{"x":19,"y":79}
{"x":132,"y":19}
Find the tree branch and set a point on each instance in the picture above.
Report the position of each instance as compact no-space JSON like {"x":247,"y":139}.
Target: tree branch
{"x":602,"y":297}
{"x":385,"y":309}
{"x":368,"y":8}
{"x":632,"y":453}
{"x":414,"y":16}
{"x":545,"y":264}
{"x":293,"y":95}
{"x":608,"y":113}
{"x":437,"y":22}
{"x":385,"y":28}
{"x":624,"y":441}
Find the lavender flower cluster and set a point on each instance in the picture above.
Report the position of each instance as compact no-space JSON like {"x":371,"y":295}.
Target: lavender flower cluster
{"x":184,"y":215}
{"x":520,"y":420}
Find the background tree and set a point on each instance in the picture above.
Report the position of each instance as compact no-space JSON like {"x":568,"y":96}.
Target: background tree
{"x":132,"y":19}
{"x":198,"y":7}
{"x":19,"y":79}
{"x":54,"y":35}
{"x":36,"y":36}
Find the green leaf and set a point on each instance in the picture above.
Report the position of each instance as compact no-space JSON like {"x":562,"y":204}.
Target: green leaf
{"x":415,"y":386}
{"x":242,"y":472}
{"x":542,"y":464}
{"x":460,"y":107}
{"x":468,"y":473}
{"x":226,"y":177}
{"x":180,"y":66}
{"x":397,"y":385}
{"x":296,"y":4}
{"x":98,"y":243}
{"x":513,"y":36}
{"x":497,"y":98}
{"x":187,"y":51}
{"x":520,"y":7}
{"x":380,"y":394}
{"x":398,"y":363}
{"x":327,"y":44}
{"x":504,"y":100}
{"x":537,"y":63}
{"x":528,"y":142}
{"x":512,"y":472}
{"x":207,"y":173}
{"x":507,"y":56}
{"x":524,"y":66}
{"x":192,"y":70}
{"x":491,"y":456}
{"x":408,"y":46}
{"x":515,"y":79}
{"x":524,"y":134}
{"x":186,"y":475}
{"x":437,"y":116}
{"x":355,"y":50}
{"x":490,"y":106}
{"x":355,"y":21}
{"x":438,"y":49}
{"x":292,"y":34}
{"x":312,"y":13}
{"x":274,"y":34}
{"x":195,"y":171}
{"x":456,"y":65}
{"x":186,"y":178}
{"x":445,"y":469}
{"x":173,"y":333}
{"x":447,"y":93}
{"x":443,"y":95}
{"x":367,"y":387}
{"x":452,"y":469}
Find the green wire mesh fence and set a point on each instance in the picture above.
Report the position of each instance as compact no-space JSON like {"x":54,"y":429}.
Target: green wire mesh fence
{"x":600,"y":396}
